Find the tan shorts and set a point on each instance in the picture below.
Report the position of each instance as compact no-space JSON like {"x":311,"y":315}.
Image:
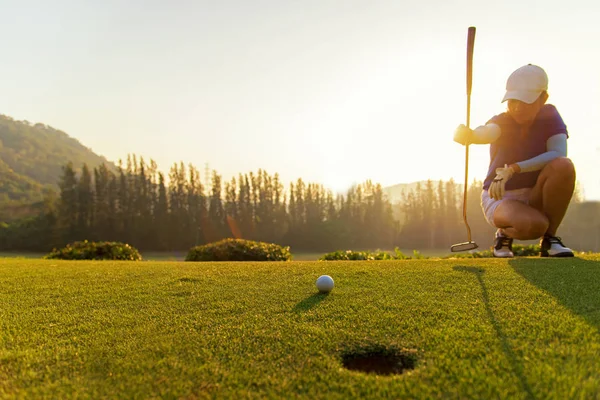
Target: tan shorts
{"x":489,"y":205}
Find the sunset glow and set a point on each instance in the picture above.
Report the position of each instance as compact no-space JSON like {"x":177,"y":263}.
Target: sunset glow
{"x":317,"y":91}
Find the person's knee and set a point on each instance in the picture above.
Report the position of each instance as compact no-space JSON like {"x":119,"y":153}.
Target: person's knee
{"x":530,"y":228}
{"x":563,"y":166}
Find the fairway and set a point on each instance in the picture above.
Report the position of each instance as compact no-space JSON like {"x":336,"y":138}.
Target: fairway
{"x":482,"y":328}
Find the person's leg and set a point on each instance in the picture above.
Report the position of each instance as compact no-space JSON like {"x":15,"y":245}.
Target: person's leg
{"x":541,"y":217}
{"x":513,"y":218}
{"x":502,"y":244}
{"x":553,"y":191}
{"x":551,"y":195}
{"x":519,"y":220}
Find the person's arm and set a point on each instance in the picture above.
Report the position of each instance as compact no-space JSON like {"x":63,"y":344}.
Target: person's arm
{"x":556,"y":146}
{"x":484,"y":134}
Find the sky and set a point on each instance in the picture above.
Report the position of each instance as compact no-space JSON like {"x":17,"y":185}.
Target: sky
{"x":333,"y":92}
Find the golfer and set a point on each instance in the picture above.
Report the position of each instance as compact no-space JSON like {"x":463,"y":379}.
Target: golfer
{"x":530,"y":180}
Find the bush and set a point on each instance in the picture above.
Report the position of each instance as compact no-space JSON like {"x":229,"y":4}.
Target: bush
{"x":526,"y":250}
{"x":369,"y":255}
{"x":239,"y":250}
{"x":356,"y":255}
{"x":96,"y":251}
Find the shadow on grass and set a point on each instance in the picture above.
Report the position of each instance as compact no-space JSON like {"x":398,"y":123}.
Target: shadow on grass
{"x":574,"y":282}
{"x":515,"y":363}
{"x":310,"y":302}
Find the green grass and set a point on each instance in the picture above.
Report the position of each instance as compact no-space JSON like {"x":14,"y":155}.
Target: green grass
{"x":483,"y":328}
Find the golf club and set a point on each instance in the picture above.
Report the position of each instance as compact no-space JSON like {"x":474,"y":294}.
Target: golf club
{"x":469,"y":245}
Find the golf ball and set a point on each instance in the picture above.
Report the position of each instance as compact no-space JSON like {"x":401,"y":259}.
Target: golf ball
{"x":325,"y":283}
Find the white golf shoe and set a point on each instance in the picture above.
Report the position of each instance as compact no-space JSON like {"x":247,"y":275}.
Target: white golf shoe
{"x":502,"y":246}
{"x":552,"y":246}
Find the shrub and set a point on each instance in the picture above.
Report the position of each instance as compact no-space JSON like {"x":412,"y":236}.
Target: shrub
{"x":356,"y":255}
{"x":95,"y":251}
{"x":239,"y":250}
{"x":526,"y":250}
{"x":369,"y":255}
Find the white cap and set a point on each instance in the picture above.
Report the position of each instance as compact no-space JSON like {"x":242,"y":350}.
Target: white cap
{"x":526,"y":84}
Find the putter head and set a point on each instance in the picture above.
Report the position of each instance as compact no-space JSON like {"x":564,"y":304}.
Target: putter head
{"x":466,"y":246}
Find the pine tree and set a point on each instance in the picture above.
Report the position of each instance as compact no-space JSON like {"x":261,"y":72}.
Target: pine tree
{"x":142,"y":206}
{"x":216,"y":212}
{"x":68,"y":210}
{"x":280,"y":221}
{"x":196,"y":206}
{"x":161,"y":216}
{"x":102,"y":211}
{"x":441,"y":217}
{"x":113,"y":203}
{"x":245,"y":211}
{"x":123,"y":226}
{"x":85,"y":197}
{"x":231,"y":208}
{"x":178,"y":206}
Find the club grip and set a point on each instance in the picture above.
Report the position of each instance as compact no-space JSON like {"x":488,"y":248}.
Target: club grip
{"x":470,"y":45}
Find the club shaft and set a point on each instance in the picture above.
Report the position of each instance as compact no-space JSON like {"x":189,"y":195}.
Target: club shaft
{"x":470,"y":47}
{"x":465,"y":192}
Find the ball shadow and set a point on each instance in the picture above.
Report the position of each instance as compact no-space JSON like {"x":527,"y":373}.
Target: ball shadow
{"x":310,"y":302}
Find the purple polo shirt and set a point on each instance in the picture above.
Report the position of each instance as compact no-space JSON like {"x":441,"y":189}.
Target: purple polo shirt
{"x":511,"y":147}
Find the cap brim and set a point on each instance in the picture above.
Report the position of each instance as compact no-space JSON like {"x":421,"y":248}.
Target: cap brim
{"x":524,"y":96}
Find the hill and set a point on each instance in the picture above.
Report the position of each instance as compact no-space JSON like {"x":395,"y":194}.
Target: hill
{"x":32,"y":157}
{"x":394,"y":192}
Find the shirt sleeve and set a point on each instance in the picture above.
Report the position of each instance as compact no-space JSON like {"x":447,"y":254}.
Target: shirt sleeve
{"x":485,"y":134}
{"x":552,"y":121}
{"x":556,"y":146}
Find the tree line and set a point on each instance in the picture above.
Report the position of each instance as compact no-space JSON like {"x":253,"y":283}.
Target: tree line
{"x":141,"y":206}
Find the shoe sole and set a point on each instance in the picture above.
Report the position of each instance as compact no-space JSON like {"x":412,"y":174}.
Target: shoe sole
{"x":559,"y":255}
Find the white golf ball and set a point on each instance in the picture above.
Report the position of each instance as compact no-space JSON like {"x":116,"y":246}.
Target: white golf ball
{"x":325,"y":283}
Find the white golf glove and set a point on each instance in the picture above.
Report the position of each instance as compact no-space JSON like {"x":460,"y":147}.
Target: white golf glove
{"x":496,"y":189}
{"x":463,"y":135}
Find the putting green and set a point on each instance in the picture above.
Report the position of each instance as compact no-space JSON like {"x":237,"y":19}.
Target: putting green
{"x":478,"y":328}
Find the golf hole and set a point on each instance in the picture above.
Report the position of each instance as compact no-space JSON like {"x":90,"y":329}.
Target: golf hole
{"x":379,"y":359}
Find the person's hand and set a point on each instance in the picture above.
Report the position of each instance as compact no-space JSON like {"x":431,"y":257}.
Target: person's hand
{"x":463,"y":135}
{"x":497,"y":188}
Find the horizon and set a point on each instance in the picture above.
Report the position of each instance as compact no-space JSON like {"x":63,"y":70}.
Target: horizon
{"x":342,"y":94}
{"x":202,"y":172}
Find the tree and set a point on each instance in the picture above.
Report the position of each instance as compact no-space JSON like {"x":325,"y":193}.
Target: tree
{"x":216,"y":212}
{"x":102,"y":204}
{"x":68,"y":212}
{"x":178,"y":205}
{"x":161,"y":216}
